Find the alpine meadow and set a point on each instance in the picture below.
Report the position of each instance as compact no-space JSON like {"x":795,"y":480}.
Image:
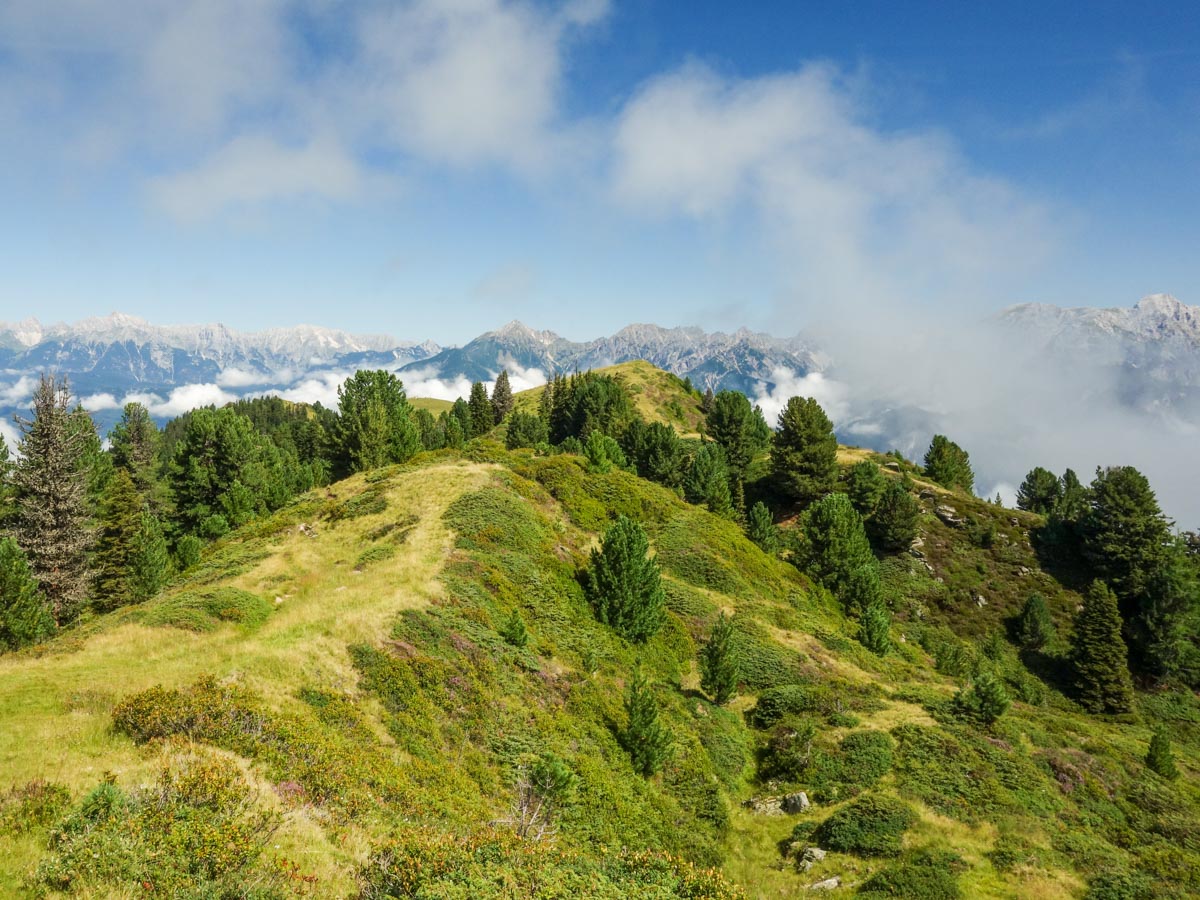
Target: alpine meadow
{"x":636,"y":451}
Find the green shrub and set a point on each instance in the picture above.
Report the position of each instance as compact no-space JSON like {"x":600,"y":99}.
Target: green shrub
{"x":370,"y":502}
{"x":923,"y":875}
{"x":1119,"y":885}
{"x":206,"y":608}
{"x":866,"y":756}
{"x":34,"y":804}
{"x":787,"y":699}
{"x":373,"y":555}
{"x":871,"y":825}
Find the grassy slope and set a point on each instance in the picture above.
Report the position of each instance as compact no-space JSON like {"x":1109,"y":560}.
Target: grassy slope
{"x":1060,"y":794}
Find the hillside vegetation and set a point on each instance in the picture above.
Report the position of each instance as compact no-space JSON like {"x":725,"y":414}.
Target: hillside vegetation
{"x":396,"y":686}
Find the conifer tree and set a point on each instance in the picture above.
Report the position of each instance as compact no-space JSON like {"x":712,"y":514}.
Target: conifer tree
{"x":865,"y":484}
{"x":893,"y":525}
{"x":1039,"y":492}
{"x":731,"y":423}
{"x":948,"y":464}
{"x":1159,"y":758}
{"x":433,"y":437}
{"x":117,"y":543}
{"x":838,"y":553}
{"x":133,"y":444}
{"x":875,"y":628}
{"x":719,"y":663}
{"x":624,"y":585}
{"x":1033,"y":628}
{"x":51,"y":484}
{"x":8,"y":507}
{"x":761,"y":528}
{"x":804,"y":451}
{"x":462,"y":412}
{"x":645,"y":739}
{"x":24,"y":614}
{"x":1098,"y":654}
{"x":455,"y":436}
{"x":151,"y":563}
{"x":603,"y":453}
{"x":502,"y":398}
{"x":525,"y":430}
{"x":707,"y":481}
{"x":374,"y":425}
{"x":656,"y":451}
{"x":546,"y":401}
{"x":1124,"y":534}
{"x":482,"y":418}
{"x":984,"y":701}
{"x":513,"y":630}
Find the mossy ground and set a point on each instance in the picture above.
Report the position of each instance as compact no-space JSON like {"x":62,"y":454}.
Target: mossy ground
{"x":359,"y":681}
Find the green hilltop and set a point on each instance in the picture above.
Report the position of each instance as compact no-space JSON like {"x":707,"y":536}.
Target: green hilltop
{"x":395,"y":685}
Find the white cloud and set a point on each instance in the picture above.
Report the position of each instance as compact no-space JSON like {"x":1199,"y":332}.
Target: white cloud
{"x":20,"y":392}
{"x":234,"y":377}
{"x":832,"y":395}
{"x":184,"y":398}
{"x":859,"y":215}
{"x":97,"y":402}
{"x":254,"y":170}
{"x":10,"y":434}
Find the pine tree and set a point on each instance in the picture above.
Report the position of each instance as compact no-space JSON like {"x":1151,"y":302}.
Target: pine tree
{"x":1124,"y":534}
{"x":455,"y":436}
{"x":8,"y":505}
{"x":865,"y":484}
{"x":1033,"y":628}
{"x":624,"y":585}
{"x":1039,"y":492}
{"x":24,"y":615}
{"x":984,"y":701}
{"x":707,"y":481}
{"x":761,"y":529}
{"x":151,"y":563}
{"x":875,"y":628}
{"x":804,"y":451}
{"x":546,"y":401}
{"x":1159,"y":758}
{"x":719,"y":663}
{"x":731,"y":423}
{"x":375,"y":425}
{"x":513,"y":630}
{"x":133,"y":444}
{"x":117,"y":543}
{"x":502,"y":398}
{"x":525,"y":430}
{"x":948,"y":464}
{"x":893,"y":525}
{"x":1098,"y":654}
{"x":645,"y":739}
{"x":603,"y":453}
{"x":838,"y":553}
{"x":51,"y":484}
{"x":656,"y":451}
{"x":461,"y":411}
{"x":482,"y":418}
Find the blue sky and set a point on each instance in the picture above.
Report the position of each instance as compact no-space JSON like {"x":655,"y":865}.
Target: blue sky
{"x":436,"y":168}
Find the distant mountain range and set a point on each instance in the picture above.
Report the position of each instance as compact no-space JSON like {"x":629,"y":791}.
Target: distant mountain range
{"x":1153,"y":348}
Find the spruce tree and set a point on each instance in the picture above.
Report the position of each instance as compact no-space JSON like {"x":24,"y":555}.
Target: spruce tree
{"x":656,"y":451}
{"x":1159,"y":758}
{"x":761,"y":528}
{"x":8,"y":506}
{"x":731,"y":423}
{"x":892,"y":527}
{"x":624,"y":585}
{"x":948,"y":464}
{"x":875,"y":628}
{"x":1033,"y":628}
{"x":51,"y":484}
{"x":707,"y":481}
{"x":645,"y":739}
{"x":151,"y":562}
{"x":1039,"y":492}
{"x":513,"y":630}
{"x":461,"y":411}
{"x":1098,"y":654}
{"x":24,"y":614}
{"x":525,"y":430}
{"x":719,"y":663}
{"x":838,"y":553}
{"x":804,"y":451}
{"x":117,"y":543}
{"x":865,"y":484}
{"x":984,"y":701}
{"x":133,"y":444}
{"x":603,"y":453}
{"x":502,"y":398}
{"x":374,"y":425}
{"x":546,"y":402}
{"x":482,"y":418}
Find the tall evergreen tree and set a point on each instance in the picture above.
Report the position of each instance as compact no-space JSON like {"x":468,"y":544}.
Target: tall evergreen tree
{"x":8,"y":504}
{"x":502,"y":398}
{"x":1099,"y":655}
{"x":761,"y":528}
{"x":948,"y":464}
{"x":133,"y":444}
{"x":1039,"y":492}
{"x":151,"y":562}
{"x":1124,"y":534}
{"x":51,"y":485}
{"x":482,"y":419}
{"x":546,"y":401}
{"x":1072,"y":500}
{"x":603,"y":453}
{"x":624,"y":585}
{"x":707,"y":481}
{"x":1033,"y":628}
{"x":875,"y":628}
{"x":865,"y":484}
{"x":24,"y":614}
{"x":117,"y":543}
{"x":525,"y":430}
{"x":804,"y":451}
{"x":656,"y":451}
{"x":719,"y":663}
{"x":731,"y":423}
{"x":838,"y":554}
{"x":893,"y":525}
{"x":645,"y":739}
{"x":433,"y":437}
{"x":374,"y":426}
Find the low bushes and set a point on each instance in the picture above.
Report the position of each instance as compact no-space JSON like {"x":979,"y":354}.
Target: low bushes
{"x":872,"y":825}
